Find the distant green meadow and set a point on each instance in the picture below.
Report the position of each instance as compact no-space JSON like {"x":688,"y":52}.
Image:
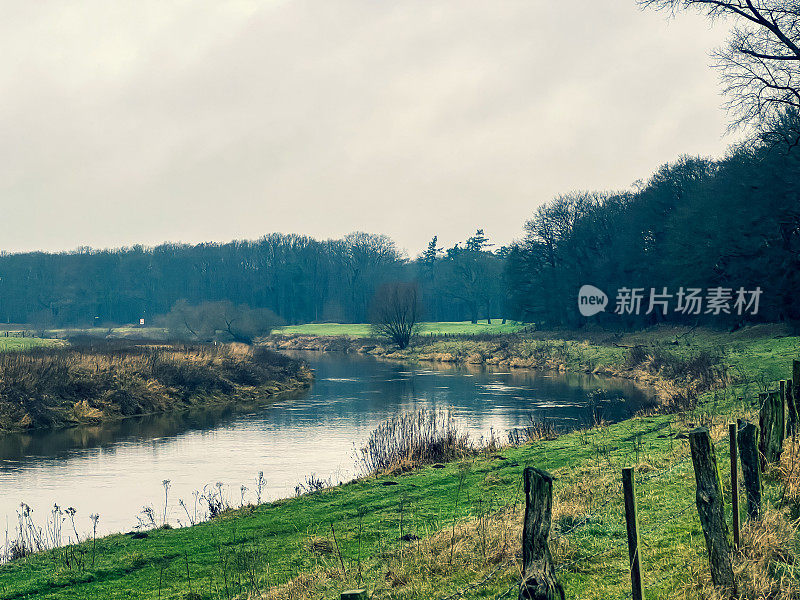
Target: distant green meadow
{"x":355,"y":330}
{"x":20,"y":343}
{"x":434,"y":328}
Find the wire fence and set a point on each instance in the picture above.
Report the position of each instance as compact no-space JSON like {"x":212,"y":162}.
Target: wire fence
{"x":613,"y":494}
{"x":618,"y":534}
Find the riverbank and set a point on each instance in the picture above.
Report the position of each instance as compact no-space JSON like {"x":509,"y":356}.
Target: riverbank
{"x":362,"y":330}
{"x":94,"y":381}
{"x":454,"y":529}
{"x":679,"y":363}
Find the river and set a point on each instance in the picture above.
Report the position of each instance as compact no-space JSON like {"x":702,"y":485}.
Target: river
{"x":116,"y":469}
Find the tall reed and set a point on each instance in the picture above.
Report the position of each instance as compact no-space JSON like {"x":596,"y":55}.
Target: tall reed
{"x":412,"y":439}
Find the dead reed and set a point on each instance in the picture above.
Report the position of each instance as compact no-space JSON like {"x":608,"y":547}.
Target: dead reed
{"x":411,"y":439}
{"x":94,"y":380}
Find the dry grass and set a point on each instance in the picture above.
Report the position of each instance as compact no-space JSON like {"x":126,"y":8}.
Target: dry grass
{"x":93,"y":380}
{"x":476,"y":549}
{"x":765,"y":565}
{"x":788,"y":474}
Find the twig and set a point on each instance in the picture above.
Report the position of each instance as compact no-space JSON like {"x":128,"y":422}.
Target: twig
{"x":338,"y":551}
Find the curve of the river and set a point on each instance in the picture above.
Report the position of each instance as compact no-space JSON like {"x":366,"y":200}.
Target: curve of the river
{"x":117,"y":469}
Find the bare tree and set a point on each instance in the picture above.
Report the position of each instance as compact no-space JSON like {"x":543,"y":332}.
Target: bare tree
{"x":395,"y":312}
{"x":760,"y":65}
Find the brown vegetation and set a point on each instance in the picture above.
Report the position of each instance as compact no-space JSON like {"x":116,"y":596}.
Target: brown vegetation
{"x":96,"y":380}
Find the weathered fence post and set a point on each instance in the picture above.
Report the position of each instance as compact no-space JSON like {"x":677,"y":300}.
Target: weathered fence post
{"x":751,"y":467}
{"x":354,"y":595}
{"x":734,"y":483}
{"x":632,"y":524}
{"x":791,"y":408}
{"x":538,"y":575}
{"x":711,"y":508}
{"x":796,"y":383}
{"x":771,"y":423}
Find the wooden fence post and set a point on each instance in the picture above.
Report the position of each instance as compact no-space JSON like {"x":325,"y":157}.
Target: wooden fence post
{"x":751,"y":467}
{"x":771,"y":423}
{"x":711,"y":508}
{"x":782,"y":394}
{"x":734,"y":483}
{"x":796,"y":384}
{"x":632,"y":524}
{"x":791,"y":409}
{"x":538,"y":575}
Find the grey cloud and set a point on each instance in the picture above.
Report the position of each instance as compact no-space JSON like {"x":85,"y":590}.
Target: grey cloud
{"x":148,"y":121}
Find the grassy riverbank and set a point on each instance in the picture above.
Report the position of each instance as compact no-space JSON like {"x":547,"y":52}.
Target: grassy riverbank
{"x":678,"y":362}
{"x":96,"y":380}
{"x":362,"y":330}
{"x":462,"y":522}
{"x":349,"y":330}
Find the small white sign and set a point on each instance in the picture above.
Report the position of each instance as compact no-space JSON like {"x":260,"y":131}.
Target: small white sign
{"x":141,"y":321}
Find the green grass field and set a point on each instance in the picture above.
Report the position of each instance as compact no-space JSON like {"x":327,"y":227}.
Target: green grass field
{"x":131,"y":331}
{"x":354,"y":330}
{"x":435,"y":328}
{"x":465,"y":518}
{"x":15,"y":343}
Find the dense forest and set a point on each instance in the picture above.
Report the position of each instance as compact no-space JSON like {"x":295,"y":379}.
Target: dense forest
{"x":732,"y":223}
{"x":299,"y":278}
{"x":697,"y":223}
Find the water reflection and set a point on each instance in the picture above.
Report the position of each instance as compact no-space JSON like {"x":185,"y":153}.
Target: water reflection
{"x":116,"y":469}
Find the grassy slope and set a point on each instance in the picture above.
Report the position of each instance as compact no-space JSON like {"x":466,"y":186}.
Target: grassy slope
{"x":586,"y":465}
{"x":437,"y":328}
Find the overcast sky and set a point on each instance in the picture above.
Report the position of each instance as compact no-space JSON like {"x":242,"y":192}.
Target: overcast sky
{"x":151,"y":121}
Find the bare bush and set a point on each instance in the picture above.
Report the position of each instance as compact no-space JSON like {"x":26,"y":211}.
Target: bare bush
{"x":312,"y":484}
{"x":534,"y":431}
{"x":705,"y":366}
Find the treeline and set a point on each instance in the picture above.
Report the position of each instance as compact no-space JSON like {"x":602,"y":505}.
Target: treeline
{"x":698,"y":224}
{"x":299,"y":278}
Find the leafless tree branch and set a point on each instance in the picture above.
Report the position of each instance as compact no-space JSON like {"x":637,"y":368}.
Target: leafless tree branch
{"x":760,"y":65}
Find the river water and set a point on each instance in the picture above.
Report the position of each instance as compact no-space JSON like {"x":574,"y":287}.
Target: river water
{"x":117,"y":469}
